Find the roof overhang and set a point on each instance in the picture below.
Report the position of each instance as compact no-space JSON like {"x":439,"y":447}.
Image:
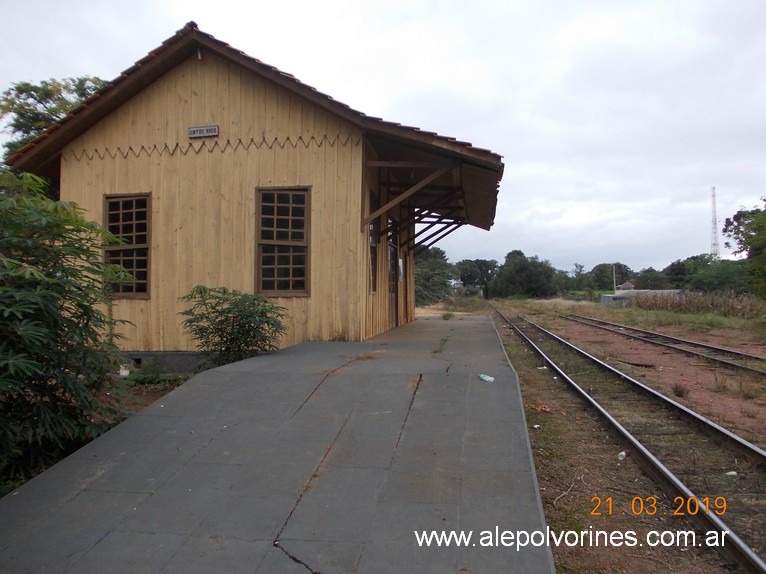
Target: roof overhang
{"x":442,"y":189}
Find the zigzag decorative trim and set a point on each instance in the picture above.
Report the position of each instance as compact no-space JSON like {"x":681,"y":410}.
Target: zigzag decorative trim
{"x":210,"y":146}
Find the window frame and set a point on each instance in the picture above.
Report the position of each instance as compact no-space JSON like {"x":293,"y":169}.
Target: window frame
{"x":289,"y":243}
{"x":120,"y":247}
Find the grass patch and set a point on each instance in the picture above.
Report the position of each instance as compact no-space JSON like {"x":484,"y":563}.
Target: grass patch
{"x":153,"y":376}
{"x":720,"y":386}
{"x":158,"y":382}
{"x":464,"y":304}
{"x":365,"y":357}
{"x":448,"y":315}
{"x":747,"y":392}
{"x":440,"y":346}
{"x":680,"y":390}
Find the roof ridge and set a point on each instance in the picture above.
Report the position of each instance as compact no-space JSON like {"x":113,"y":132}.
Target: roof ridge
{"x":178,"y":47}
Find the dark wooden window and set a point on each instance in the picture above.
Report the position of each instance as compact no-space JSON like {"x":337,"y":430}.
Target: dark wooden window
{"x":283,"y":242}
{"x":128,"y":217}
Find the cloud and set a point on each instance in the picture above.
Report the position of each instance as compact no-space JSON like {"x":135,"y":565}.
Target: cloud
{"x":614,"y":119}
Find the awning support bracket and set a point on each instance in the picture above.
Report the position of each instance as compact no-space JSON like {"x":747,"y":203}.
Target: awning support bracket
{"x":411,"y":191}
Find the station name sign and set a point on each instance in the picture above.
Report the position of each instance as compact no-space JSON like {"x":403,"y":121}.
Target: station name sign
{"x":203,"y":132}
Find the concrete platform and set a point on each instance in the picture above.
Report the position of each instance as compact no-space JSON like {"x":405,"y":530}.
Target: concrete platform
{"x":323,"y":457}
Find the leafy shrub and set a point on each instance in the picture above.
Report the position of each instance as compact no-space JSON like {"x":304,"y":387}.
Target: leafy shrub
{"x":229,"y":325}
{"x":55,"y":348}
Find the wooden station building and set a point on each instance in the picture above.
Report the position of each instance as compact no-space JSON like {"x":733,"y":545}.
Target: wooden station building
{"x":219,"y":170}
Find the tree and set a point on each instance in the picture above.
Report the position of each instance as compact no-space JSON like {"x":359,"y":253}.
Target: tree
{"x":720,"y":276}
{"x":747,"y":231}
{"x":477,"y":273}
{"x":581,"y":278}
{"x":509,"y":279}
{"x":34,"y":107}
{"x":55,"y":343}
{"x":433,"y":274}
{"x":468,"y":272}
{"x":679,"y":273}
{"x":562,"y":281}
{"x":705,"y":273}
{"x":520,"y":275}
{"x":650,"y":278}
{"x":487,"y":269}
{"x":605,"y":275}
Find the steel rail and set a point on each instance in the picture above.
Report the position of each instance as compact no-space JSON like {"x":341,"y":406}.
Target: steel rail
{"x":645,"y":334}
{"x":746,"y":446}
{"x":737,"y":549}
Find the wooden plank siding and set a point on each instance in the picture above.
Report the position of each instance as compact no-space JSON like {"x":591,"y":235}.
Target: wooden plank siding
{"x":204,"y":221}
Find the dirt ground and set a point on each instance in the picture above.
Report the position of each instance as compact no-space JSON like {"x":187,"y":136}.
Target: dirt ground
{"x":585,"y":486}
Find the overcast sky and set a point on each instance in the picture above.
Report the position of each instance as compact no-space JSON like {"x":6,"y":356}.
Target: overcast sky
{"x":614,"y":118}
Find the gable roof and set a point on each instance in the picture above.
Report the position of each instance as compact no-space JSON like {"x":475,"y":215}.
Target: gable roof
{"x":479,"y":174}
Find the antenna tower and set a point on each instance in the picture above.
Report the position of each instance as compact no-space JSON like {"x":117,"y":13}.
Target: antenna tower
{"x":715,"y":251}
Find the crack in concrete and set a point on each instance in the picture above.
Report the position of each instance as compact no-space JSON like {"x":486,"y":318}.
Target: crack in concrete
{"x":296,"y":559}
{"x":450,"y":364}
{"x":327,"y":376}
{"x":406,"y":418}
{"x":309,"y":483}
{"x":306,"y":487}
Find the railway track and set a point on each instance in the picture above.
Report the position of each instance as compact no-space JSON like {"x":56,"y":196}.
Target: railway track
{"x":721,"y":355}
{"x":720,"y":477}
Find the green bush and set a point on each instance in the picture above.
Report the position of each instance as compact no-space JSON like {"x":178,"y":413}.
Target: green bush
{"x":229,"y":325}
{"x":56,"y":345}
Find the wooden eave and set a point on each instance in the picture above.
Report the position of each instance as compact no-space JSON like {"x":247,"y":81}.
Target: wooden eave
{"x":480,"y":170}
{"x":468,"y":189}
